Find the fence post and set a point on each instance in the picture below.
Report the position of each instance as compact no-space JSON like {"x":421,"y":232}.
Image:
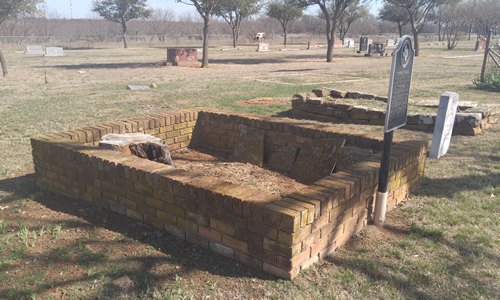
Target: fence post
{"x":486,"y":51}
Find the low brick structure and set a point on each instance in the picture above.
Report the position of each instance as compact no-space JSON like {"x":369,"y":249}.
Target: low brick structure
{"x":470,"y":121}
{"x":182,"y":56}
{"x":280,"y":235}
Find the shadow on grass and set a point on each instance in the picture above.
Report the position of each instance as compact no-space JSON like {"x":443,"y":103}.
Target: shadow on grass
{"x":448,"y":187}
{"x":181,"y":257}
{"x":414,"y":282}
{"x":131,"y":65}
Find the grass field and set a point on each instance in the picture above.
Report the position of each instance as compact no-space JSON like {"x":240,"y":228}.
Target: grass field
{"x":443,"y":243}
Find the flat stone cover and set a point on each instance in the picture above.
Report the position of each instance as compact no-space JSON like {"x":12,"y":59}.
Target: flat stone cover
{"x":138,"y":144}
{"x":283,"y":159}
{"x":316,"y":159}
{"x":134,"y":87}
{"x":351,"y":155}
{"x":249,"y":147}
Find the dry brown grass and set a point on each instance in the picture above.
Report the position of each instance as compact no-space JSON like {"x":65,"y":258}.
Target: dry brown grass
{"x":442,"y":244}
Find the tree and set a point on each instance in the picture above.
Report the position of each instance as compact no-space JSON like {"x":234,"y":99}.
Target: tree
{"x":394,"y":14}
{"x":235,"y":11}
{"x":284,"y":11}
{"x":206,"y":9}
{"x":13,"y":8}
{"x":332,"y":12}
{"x":454,"y":19}
{"x":121,"y":11}
{"x":417,"y":12}
{"x":487,"y":16}
{"x":161,"y":20}
{"x":355,"y":11}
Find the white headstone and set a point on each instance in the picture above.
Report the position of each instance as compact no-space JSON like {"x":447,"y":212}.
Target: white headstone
{"x":349,"y":43}
{"x":54,"y":51}
{"x":34,"y":50}
{"x":390,"y":42}
{"x":444,"y":124}
{"x":263,"y":47}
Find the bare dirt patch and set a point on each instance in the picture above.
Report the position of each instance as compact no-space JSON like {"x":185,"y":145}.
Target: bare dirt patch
{"x":264,"y":101}
{"x":235,"y":172}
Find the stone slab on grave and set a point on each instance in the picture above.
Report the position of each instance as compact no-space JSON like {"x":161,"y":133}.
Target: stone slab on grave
{"x":282,"y":160}
{"x":34,"y":50}
{"x":249,"y":147}
{"x":54,"y":51}
{"x":316,"y":159}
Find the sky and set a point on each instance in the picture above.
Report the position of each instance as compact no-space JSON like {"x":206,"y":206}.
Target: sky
{"x":79,"y":9}
{"x":82,"y":8}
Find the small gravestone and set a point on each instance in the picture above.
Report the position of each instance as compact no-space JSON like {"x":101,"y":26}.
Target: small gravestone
{"x":376,"y":49}
{"x":363,"y":44}
{"x":312,"y":45}
{"x":34,"y":50}
{"x":250,"y":146}
{"x":283,"y":159}
{"x":54,"y":51}
{"x":182,"y":56}
{"x":443,"y":127}
{"x":134,"y":87}
{"x":349,"y":43}
{"x":316,"y":159}
{"x":480,"y":44}
{"x":263,"y":47}
{"x":138,"y":144}
{"x":390,"y":42}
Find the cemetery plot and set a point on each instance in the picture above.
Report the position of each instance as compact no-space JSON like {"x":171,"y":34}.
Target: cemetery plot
{"x":206,"y":200}
{"x":363,"y":108}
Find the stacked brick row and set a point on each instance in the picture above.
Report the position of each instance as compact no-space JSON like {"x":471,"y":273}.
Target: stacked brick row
{"x":278,"y":235}
{"x":469,"y":122}
{"x":221,"y":129}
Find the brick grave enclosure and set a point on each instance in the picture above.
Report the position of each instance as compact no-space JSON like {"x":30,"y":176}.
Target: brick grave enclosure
{"x":280,"y":235}
{"x":323,"y":105}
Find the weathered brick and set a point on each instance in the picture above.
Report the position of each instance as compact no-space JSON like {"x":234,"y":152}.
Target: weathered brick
{"x":222,"y":226}
{"x":222,"y":250}
{"x":210,"y":233}
{"x":234,"y":243}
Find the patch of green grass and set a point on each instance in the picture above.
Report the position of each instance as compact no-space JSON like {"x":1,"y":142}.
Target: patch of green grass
{"x":429,"y":233}
{"x":3,"y":226}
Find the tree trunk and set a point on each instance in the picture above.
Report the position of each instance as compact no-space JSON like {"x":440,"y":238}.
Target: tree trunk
{"x":439,"y":32}
{"x":400,"y":29}
{"x":3,"y":63}
{"x":124,"y":32}
{"x":415,"y":41}
{"x":206,"y":25}
{"x":329,"y":39}
{"x":470,"y":31}
{"x":284,"y":38}
{"x":234,"y":36}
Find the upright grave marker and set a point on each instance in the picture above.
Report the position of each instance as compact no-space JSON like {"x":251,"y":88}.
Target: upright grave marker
{"x":395,"y":117}
{"x":54,"y":51}
{"x":363,"y":44}
{"x":34,"y":50}
{"x":443,"y":127}
{"x":263,"y":47}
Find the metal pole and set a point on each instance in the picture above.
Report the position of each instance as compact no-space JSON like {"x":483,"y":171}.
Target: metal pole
{"x":486,"y":51}
{"x":383,"y":181}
